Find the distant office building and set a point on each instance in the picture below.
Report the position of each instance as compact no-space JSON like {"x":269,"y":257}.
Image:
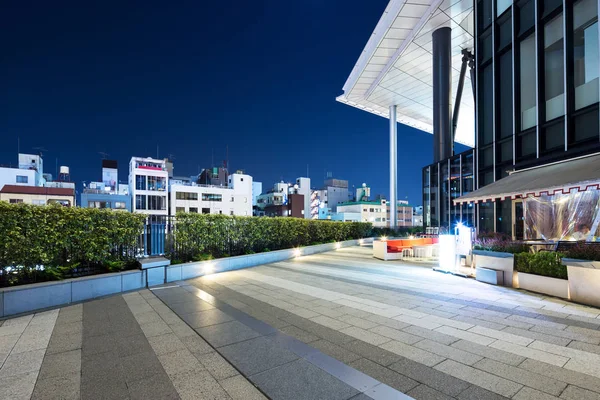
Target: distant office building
{"x":216,"y":176}
{"x":335,"y":192}
{"x":148,"y":183}
{"x":233,"y":199}
{"x":37,"y":195}
{"x":302,"y":187}
{"x":278,"y":201}
{"x":293,"y":207}
{"x":109,"y":193}
{"x":404,"y":217}
{"x":369,"y":211}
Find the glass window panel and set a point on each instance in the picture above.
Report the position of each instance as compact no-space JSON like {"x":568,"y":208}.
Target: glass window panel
{"x":486,"y":157}
{"x":485,"y":13}
{"x":526,"y":17}
{"x":506,"y":151}
{"x":486,"y":106}
{"x":504,"y":217}
{"x":505,"y":32}
{"x":527,"y":83}
{"x":554,"y":136}
{"x":554,"y":68}
{"x":486,"y":217}
{"x":502,"y":5}
{"x":585,"y":48}
{"x":550,"y":5}
{"x":528,"y":144}
{"x":140,"y":182}
{"x":505,"y":100}
{"x":485,"y":48}
{"x":586,"y":126}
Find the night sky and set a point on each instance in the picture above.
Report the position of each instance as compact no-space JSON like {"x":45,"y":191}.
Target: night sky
{"x":193,"y":77}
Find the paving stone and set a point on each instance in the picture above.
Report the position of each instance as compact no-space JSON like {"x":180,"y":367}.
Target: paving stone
{"x":479,"y":393}
{"x":238,"y":388}
{"x":103,"y":388}
{"x":479,"y":322}
{"x":538,"y":336}
{"x":358,"y":321}
{"x":303,"y":312}
{"x":227,"y":333}
{"x":33,"y":339}
{"x":470,"y":336}
{"x":483,"y":379}
{"x":564,"y":375}
{"x":530,"y":353}
{"x":523,"y":376}
{"x":448,"y":352}
{"x":396,"y":334}
{"x":216,"y":365}
{"x":18,"y":321}
{"x":103,"y":365}
{"x":61,"y":364}
{"x":382,"y":374}
{"x":413,"y":353}
{"x":575,"y":393}
{"x":198,"y":385}
{"x":191,"y":307}
{"x":528,"y":393}
{"x":299,"y":334}
{"x":330,"y":322}
{"x":437,"y":380}
{"x":365,"y":336}
{"x":201,"y":319}
{"x":97,"y":344}
{"x":179,"y":361}
{"x":68,"y":328}
{"x":424,"y":392}
{"x":257,"y":355}
{"x":157,"y":387}
{"x":141,"y":366}
{"x":181,"y":329}
{"x":196,"y":345}
{"x":18,"y":386}
{"x":332,"y":310}
{"x":10,"y":330}
{"x":155,"y":328}
{"x":131,"y":345}
{"x":65,"y":387}
{"x":370,"y":352}
{"x":164,"y":344}
{"x":300,"y":380}
{"x":147,"y":317}
{"x":335,"y":351}
{"x":489,"y":352}
{"x":567,"y":334}
{"x":590,"y":348}
{"x":7,"y":343}
{"x":22,"y":363}
{"x":502,"y":335}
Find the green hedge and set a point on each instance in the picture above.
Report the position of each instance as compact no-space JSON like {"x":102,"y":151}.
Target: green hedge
{"x":199,"y":236}
{"x":48,"y":242}
{"x":543,"y":263}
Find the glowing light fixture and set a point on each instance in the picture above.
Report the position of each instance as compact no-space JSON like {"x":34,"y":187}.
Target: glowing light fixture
{"x":384,"y":238}
{"x":297,"y":253}
{"x":209,"y":268}
{"x":338,"y":245}
{"x":361,"y":241}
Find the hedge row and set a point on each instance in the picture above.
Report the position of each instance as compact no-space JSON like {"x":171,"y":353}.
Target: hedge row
{"x":197,"y":236}
{"x":544,"y":263}
{"x":43,"y":238}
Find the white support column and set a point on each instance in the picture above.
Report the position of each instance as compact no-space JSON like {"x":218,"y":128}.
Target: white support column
{"x":393,"y":167}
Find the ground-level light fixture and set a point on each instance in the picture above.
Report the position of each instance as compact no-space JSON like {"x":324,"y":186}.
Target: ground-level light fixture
{"x":209,"y":268}
{"x":297,"y":253}
{"x":338,"y":245}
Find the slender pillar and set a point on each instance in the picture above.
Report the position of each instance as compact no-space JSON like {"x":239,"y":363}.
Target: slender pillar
{"x":442,"y":86}
{"x":393,"y":168}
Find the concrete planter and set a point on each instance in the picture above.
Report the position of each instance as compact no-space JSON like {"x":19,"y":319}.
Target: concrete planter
{"x":498,"y":261}
{"x":200,"y":268}
{"x":584,"y":281}
{"x":27,"y":298}
{"x":543,"y":284}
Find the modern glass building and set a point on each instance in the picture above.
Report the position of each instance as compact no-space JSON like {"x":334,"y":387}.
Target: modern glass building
{"x":530,"y":99}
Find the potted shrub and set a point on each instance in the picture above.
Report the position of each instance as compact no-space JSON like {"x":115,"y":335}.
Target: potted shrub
{"x":583,"y":266}
{"x":542,"y":272}
{"x":496,"y":252}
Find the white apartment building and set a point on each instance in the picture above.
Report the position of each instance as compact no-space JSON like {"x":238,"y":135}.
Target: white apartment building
{"x":233,"y":199}
{"x":369,"y":211}
{"x":148,"y":183}
{"x":303,"y":188}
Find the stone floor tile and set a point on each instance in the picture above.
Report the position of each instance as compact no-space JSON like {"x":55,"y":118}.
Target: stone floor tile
{"x":358,"y":321}
{"x":479,"y":393}
{"x":7,"y":343}
{"x":201,"y":319}
{"x":391,"y":378}
{"x":103,"y":388}
{"x":216,"y":365}
{"x":191,"y":307}
{"x":300,"y":380}
{"x":22,"y":363}
{"x":18,"y":321}
{"x":238,"y":388}
{"x":257,"y":355}
{"x":560,"y":341}
{"x":528,"y":393}
{"x":431,"y":335}
{"x":12,"y":329}
{"x":155,"y":328}
{"x":303,"y":312}
{"x":330,"y":322}
{"x":530,"y":353}
{"x":17,"y":387}
{"x":522,"y":376}
{"x":97,"y":344}
{"x":64,"y":387}
{"x":68,"y":328}
{"x":413,"y":353}
{"x":140,"y":366}
{"x":465,"y":335}
{"x":181,"y":329}
{"x":489,"y":352}
{"x":226,"y":333}
{"x":483,"y":379}
{"x":167,"y":343}
{"x":147,"y":317}
{"x":396,"y":334}
{"x":332,"y":310}
{"x":335,"y":351}
{"x":61,"y":364}
{"x":438,"y":380}
{"x":179,"y":361}
{"x":448,"y":352}
{"x":576,"y":393}
{"x":568,"y":334}
{"x":130,"y":345}
{"x":365,"y":336}
{"x":502,"y":335}
{"x":590,"y":348}
{"x":157,"y":387}
{"x":198,"y":385}
{"x":480,"y":322}
{"x":424,"y":392}
{"x":370,"y":352}
{"x":299,"y":334}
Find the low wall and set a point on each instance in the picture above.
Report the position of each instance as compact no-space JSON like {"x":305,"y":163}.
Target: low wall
{"x":36,"y":296}
{"x":200,"y":268}
{"x":543,"y":284}
{"x":497,"y":261}
{"x":28,"y":298}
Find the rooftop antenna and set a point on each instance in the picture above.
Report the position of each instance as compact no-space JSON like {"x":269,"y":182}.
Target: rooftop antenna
{"x":40,"y":150}
{"x":104,"y":155}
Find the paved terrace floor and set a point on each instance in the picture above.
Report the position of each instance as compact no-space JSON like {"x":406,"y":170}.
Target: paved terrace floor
{"x":338,"y":325}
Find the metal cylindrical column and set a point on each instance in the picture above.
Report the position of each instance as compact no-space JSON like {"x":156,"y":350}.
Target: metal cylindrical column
{"x":442,"y":87}
{"x":393,"y":167}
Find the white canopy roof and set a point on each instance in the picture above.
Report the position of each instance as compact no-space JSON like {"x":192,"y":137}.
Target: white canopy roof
{"x":561,"y":177}
{"x":395,"y":67}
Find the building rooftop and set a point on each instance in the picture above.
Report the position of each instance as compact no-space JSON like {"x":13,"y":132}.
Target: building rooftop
{"x":37,"y":190}
{"x":395,"y":67}
{"x":374,"y":203}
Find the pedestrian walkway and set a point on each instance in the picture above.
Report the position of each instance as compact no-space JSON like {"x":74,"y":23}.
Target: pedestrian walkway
{"x":338,"y":325}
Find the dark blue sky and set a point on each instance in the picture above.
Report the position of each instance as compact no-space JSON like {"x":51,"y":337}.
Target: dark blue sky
{"x":193,"y":77}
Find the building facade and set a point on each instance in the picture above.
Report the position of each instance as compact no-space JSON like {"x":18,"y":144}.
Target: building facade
{"x":148,"y":184}
{"x":234,"y":199}
{"x":37,"y":195}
